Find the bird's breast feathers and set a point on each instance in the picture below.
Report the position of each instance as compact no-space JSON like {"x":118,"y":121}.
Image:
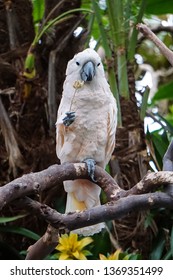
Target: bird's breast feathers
{"x":88,"y":135}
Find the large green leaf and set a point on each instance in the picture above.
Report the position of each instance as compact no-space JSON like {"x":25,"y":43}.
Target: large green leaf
{"x":159,"y":7}
{"x":164,"y":92}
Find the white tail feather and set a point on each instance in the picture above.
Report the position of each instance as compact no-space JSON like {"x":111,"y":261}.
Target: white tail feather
{"x":81,"y":195}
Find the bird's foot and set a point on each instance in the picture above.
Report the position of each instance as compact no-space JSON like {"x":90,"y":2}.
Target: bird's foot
{"x":91,"y":168}
{"x":69,"y":119}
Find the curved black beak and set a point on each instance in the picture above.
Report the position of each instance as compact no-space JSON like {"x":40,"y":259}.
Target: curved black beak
{"x":88,"y":71}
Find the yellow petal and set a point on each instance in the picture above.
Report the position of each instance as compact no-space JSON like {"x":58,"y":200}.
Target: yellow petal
{"x":115,"y":255}
{"x":76,"y":254}
{"x":126,"y":257}
{"x":64,"y":241}
{"x":84,"y":242}
{"x":64,"y":256}
{"x":73,"y":240}
{"x":60,"y":247}
{"x":79,"y":255}
{"x":82,"y":257}
{"x":102,"y":257}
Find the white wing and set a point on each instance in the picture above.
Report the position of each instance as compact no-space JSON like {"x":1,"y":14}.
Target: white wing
{"x":111,"y":129}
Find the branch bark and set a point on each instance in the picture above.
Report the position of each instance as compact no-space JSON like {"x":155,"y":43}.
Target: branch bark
{"x":35,"y":183}
{"x":146,"y":31}
{"x":98,"y":214}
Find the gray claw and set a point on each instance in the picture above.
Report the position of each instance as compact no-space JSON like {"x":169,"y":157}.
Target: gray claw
{"x":91,"y":168}
{"x":69,"y":119}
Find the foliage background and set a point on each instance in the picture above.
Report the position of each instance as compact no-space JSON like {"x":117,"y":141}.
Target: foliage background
{"x":32,"y":71}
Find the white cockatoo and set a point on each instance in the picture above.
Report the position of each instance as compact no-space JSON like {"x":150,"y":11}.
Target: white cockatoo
{"x":85,"y":129}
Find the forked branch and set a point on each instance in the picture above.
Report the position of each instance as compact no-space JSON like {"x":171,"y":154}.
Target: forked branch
{"x":142,"y":196}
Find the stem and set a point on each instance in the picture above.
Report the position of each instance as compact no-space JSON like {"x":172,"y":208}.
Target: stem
{"x":89,"y":28}
{"x":127,"y":16}
{"x":102,"y":30}
{"x":133,"y":38}
{"x":57,"y":20}
{"x":11,"y":23}
{"x":108,"y":53}
{"x":144,"y":103}
{"x":115,"y":11}
{"x":52,"y":108}
{"x":113,"y":86}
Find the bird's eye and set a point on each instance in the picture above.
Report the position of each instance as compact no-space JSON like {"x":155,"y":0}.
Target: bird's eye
{"x":98,"y":64}
{"x":77,"y":63}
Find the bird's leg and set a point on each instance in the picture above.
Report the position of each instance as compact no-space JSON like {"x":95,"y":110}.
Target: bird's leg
{"x":69,"y":119}
{"x":90,"y":167}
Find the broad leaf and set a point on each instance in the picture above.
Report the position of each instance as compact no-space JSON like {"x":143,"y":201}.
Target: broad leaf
{"x":164,"y":92}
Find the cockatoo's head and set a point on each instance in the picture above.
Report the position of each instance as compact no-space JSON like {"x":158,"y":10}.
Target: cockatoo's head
{"x":86,"y":65}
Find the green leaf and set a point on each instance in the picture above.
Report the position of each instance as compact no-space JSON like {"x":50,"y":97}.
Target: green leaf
{"x":56,"y":21}
{"x":29,"y":70}
{"x":135,"y":256}
{"x":169,"y":126}
{"x":144,"y":103}
{"x":164,"y":92}
{"x":11,"y":219}
{"x":160,"y":143}
{"x":158,"y":247}
{"x":38,"y":10}
{"x":21,"y":231}
{"x":159,"y":7}
{"x":149,"y":219}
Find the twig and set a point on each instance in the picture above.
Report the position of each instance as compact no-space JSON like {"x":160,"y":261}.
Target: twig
{"x":146,"y":31}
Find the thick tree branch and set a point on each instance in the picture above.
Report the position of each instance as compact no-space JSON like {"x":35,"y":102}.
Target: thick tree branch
{"x":103,"y":213}
{"x":120,"y":202}
{"x":44,"y":246}
{"x":72,"y":221}
{"x":35,"y":183}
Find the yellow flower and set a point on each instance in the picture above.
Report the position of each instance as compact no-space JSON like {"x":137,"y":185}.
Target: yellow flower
{"x":114,"y":256}
{"x":71,"y":248}
{"x":120,"y":255}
